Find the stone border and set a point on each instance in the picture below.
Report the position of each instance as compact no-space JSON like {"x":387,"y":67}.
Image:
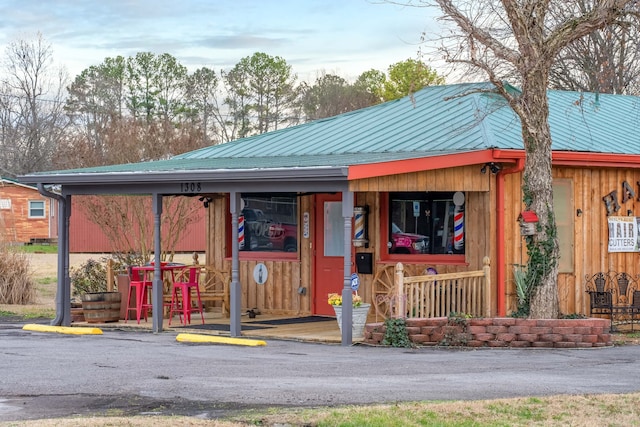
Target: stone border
{"x":502,"y":332}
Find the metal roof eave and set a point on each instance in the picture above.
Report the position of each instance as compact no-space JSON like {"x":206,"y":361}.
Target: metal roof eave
{"x":212,"y":175}
{"x":196,"y":181}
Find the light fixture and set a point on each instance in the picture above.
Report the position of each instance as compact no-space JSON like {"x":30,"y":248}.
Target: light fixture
{"x":205,"y":201}
{"x":493,"y":167}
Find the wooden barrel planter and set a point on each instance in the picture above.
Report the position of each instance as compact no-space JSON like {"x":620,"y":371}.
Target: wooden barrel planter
{"x":101,"y":307}
{"x":77,"y":314}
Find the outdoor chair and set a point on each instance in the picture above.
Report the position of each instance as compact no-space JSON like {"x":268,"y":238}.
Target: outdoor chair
{"x":181,"y":303}
{"x":139,"y":286}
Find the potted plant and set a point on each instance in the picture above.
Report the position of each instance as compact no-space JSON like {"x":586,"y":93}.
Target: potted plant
{"x":359,"y":314}
{"x":89,"y":282}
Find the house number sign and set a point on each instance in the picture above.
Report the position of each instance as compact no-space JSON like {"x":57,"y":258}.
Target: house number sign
{"x":190,"y":187}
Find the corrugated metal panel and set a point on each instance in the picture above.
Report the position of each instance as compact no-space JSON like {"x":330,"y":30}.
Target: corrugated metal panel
{"x":441,"y":118}
{"x":435,"y":120}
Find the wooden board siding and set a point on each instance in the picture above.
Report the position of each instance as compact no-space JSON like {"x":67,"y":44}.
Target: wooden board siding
{"x":478,"y":235}
{"x":15,"y":222}
{"x":279,"y":295}
{"x":591,"y":233}
{"x":464,"y":178}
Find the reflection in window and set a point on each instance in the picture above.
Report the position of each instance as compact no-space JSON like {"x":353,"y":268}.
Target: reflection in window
{"x":269,"y":223}
{"x":426,"y":223}
{"x":333,"y":229}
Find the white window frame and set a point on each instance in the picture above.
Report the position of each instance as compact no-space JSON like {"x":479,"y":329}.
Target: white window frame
{"x":32,"y":208}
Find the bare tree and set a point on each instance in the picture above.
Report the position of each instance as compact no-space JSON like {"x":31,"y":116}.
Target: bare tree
{"x":33,"y":120}
{"x":605,"y":61}
{"x":521,"y":38}
{"x":128,"y":224}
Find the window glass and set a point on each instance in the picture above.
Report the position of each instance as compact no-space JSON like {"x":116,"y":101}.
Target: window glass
{"x":426,"y":223}
{"x":333,"y":229}
{"x":269,"y":223}
{"x":36,"y":209}
{"x":563,"y":210}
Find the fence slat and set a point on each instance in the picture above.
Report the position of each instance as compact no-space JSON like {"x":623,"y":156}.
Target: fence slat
{"x":441,"y":294}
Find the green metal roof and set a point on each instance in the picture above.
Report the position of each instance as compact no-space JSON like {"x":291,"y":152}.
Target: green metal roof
{"x":439,"y":120}
{"x":436,"y":120}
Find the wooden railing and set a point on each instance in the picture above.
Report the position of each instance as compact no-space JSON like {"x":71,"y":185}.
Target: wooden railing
{"x":438,"y":295}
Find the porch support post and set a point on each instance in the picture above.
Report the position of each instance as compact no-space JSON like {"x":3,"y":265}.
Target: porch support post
{"x":235,"y":291}
{"x":63,"y":294}
{"x":347,"y":294}
{"x":158,"y":285}
{"x":63,"y":261}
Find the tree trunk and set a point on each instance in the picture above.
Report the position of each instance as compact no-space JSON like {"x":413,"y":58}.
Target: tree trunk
{"x":542,"y":248}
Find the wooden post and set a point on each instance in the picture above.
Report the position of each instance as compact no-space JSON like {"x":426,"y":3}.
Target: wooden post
{"x":486,"y":261}
{"x":399,"y":293}
{"x":110,"y":275}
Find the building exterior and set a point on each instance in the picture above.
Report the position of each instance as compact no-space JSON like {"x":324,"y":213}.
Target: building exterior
{"x":85,"y":236}
{"x":432,"y":180}
{"x":25,"y":215}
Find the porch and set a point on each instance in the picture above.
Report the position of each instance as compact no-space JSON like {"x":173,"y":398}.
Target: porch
{"x":306,"y":328}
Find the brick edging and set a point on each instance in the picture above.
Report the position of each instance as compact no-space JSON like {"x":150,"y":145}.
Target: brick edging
{"x":501,"y":332}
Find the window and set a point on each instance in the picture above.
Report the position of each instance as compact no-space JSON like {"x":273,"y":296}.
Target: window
{"x":36,"y":208}
{"x":563,"y":210}
{"x":269,"y":223}
{"x":426,"y":223}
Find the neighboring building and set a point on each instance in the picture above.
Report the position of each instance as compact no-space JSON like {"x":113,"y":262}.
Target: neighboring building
{"x":25,"y":215}
{"x":86,"y":236}
{"x":438,"y":175}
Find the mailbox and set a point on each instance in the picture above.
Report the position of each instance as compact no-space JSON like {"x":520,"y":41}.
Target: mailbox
{"x":364,"y":262}
{"x":528,"y":221}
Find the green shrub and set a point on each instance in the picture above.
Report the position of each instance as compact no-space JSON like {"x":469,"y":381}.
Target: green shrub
{"x":396,"y":334}
{"x":91,"y":276}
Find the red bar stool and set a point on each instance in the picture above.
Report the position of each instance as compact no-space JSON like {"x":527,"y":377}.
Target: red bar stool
{"x":181,"y":301}
{"x":142,"y":286}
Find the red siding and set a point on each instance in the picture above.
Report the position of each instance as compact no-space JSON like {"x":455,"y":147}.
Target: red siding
{"x":86,"y":237}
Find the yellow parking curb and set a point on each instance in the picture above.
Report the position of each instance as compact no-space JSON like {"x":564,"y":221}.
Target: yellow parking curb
{"x":62,"y":329}
{"x":218,"y":340}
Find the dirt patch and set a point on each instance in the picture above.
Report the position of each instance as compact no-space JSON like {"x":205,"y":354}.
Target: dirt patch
{"x":52,"y":406}
{"x":46,"y":265}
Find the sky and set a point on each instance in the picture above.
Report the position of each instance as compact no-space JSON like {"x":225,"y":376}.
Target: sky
{"x":343,"y":37}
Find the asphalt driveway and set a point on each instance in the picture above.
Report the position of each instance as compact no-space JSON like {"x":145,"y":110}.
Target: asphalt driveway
{"x":49,"y":375}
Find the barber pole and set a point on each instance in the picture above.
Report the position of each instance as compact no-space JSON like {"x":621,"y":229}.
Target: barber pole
{"x":458,"y":228}
{"x":458,"y":221}
{"x":241,"y":232}
{"x":359,"y":237}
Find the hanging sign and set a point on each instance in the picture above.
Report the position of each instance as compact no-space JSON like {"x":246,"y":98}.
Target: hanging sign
{"x":416,"y":209}
{"x":623,"y":234}
{"x":305,"y":225}
{"x":355,"y":282}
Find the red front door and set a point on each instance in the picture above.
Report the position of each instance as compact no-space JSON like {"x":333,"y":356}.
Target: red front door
{"x":329,"y":251}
